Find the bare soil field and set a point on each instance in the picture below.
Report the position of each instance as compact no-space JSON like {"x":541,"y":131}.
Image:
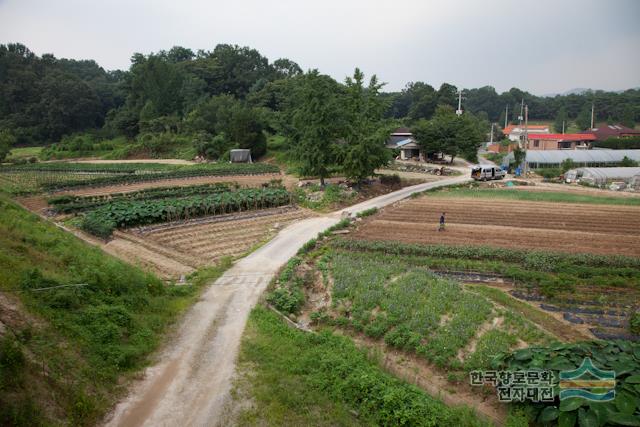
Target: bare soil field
{"x":175,"y":249}
{"x":601,"y":229}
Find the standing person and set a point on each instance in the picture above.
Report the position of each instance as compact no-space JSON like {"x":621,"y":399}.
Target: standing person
{"x":441,"y":222}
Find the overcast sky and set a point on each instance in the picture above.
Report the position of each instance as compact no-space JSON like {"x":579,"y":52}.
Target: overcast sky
{"x":543,"y":46}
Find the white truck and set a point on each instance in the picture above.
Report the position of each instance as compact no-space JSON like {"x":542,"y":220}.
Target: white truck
{"x":487,"y":173}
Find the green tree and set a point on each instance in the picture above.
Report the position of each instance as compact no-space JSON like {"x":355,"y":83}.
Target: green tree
{"x":451,"y":134}
{"x":245,"y":129}
{"x":627,"y":162}
{"x":315,"y":117}
{"x":365,"y":149}
{"x":583,"y":120}
{"x":562,"y":120}
{"x":519,"y":156}
{"x":7,"y":140}
{"x":628,"y":117}
{"x":567,"y":164}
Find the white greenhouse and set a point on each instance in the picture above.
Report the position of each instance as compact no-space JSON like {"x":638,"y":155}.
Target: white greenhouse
{"x":585,"y":158}
{"x":601,"y":176}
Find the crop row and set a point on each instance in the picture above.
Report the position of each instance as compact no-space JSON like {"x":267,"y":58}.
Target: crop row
{"x":127,"y":213}
{"x":59,"y":176}
{"x":540,"y":260}
{"x":71,"y":203}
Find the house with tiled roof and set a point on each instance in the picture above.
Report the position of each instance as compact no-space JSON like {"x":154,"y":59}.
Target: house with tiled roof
{"x":604,"y":131}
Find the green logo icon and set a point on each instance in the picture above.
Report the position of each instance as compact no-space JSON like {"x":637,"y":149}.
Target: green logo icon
{"x":588,"y":382}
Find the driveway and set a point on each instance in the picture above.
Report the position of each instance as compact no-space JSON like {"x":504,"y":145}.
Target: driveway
{"x":191,"y":382}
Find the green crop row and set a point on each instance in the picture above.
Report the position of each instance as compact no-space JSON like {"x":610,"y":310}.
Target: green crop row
{"x":536,"y":260}
{"x":57,"y":176}
{"x":103,"y":220}
{"x":71,"y":204}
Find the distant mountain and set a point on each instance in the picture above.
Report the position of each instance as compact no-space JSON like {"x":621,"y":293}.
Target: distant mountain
{"x":582,"y":91}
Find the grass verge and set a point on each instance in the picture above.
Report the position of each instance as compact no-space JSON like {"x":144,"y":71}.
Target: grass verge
{"x":295,"y":378}
{"x":82,"y":337}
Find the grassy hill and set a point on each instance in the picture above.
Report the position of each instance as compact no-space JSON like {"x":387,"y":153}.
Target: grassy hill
{"x":75,"y":323}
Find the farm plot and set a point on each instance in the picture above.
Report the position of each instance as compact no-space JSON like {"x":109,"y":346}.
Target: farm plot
{"x":586,"y":228}
{"x":395,"y":298}
{"x":39,"y":177}
{"x":175,"y":249}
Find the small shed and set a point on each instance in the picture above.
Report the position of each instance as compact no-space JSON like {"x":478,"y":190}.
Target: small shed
{"x":240,"y":156}
{"x":635,"y":182}
{"x":602,"y":176}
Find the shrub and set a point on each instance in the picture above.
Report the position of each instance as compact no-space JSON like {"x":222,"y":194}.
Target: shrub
{"x":634,"y":323}
{"x":12,"y":363}
{"x":98,"y":226}
{"x":390,"y":179}
{"x":549,"y":173}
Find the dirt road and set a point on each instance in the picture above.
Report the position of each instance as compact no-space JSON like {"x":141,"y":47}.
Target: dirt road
{"x":191,"y":382}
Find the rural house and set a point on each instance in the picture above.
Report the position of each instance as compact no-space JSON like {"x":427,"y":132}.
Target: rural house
{"x":516,"y":132}
{"x":560,"y":141}
{"x":605,"y":131}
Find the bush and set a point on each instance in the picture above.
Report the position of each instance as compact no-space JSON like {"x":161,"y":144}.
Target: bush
{"x":390,"y":179}
{"x":634,"y":323}
{"x":98,"y":226}
{"x":12,"y":363}
{"x":549,"y":173}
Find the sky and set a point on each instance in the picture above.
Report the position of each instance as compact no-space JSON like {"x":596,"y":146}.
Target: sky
{"x":542,"y":46}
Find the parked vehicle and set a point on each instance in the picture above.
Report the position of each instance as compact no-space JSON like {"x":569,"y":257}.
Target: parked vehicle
{"x":486,"y":173}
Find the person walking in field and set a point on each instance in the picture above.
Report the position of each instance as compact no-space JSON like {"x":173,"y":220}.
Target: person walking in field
{"x":441,"y":222}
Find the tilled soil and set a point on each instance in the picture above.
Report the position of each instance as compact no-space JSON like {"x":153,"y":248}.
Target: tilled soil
{"x":571,"y":227}
{"x":175,"y":249}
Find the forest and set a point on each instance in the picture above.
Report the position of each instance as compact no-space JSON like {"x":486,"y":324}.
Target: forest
{"x":233,"y":96}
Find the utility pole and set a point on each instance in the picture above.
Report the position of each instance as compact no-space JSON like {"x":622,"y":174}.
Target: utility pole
{"x":491,"y":137}
{"x":506,"y":116}
{"x":459,"y":110}
{"x":592,"y":111}
{"x":521,"y":111}
{"x":563,"y":127}
{"x":526,"y":138}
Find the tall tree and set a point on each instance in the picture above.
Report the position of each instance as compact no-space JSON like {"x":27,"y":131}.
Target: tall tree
{"x":450,"y":134}
{"x":316,"y":117}
{"x":583,"y":120}
{"x":562,"y":120}
{"x":364,"y":150}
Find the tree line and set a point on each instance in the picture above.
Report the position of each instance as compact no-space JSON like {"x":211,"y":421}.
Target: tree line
{"x":233,"y":96}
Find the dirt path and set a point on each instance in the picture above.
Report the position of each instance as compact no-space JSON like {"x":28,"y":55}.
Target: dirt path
{"x":191,"y":381}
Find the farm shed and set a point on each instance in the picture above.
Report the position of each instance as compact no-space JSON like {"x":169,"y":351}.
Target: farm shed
{"x":240,"y":156}
{"x":585,"y":158}
{"x":601,"y":176}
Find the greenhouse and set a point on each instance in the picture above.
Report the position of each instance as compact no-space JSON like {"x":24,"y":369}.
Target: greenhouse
{"x":601,"y":176}
{"x":585,"y":158}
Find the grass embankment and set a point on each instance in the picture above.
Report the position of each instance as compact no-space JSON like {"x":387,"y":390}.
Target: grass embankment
{"x":533,"y":196}
{"x":23,"y":153}
{"x":65,"y":362}
{"x":295,"y":378}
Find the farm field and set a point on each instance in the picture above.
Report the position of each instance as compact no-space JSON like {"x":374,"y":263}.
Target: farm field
{"x":58,"y":176}
{"x":172,"y":250}
{"x":575,"y":227}
{"x":435,"y":313}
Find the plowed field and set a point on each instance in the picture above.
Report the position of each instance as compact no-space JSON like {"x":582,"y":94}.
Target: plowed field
{"x":200,"y":242}
{"x":588,"y":228}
